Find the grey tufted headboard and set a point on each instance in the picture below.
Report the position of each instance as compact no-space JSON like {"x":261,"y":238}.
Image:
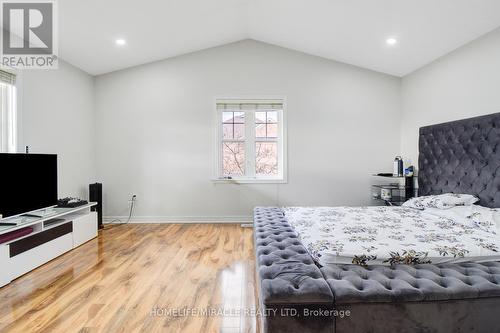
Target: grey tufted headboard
{"x":462,"y":157}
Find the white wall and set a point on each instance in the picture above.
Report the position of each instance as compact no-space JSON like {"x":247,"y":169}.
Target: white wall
{"x":155,"y":129}
{"x":56,"y":115}
{"x":463,"y":84}
{"x":155,"y":124}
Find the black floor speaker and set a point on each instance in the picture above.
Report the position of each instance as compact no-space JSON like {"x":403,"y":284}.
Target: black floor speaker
{"x":95,"y":195}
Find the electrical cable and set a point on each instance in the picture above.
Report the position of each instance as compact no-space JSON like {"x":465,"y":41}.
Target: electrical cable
{"x":132,"y":202}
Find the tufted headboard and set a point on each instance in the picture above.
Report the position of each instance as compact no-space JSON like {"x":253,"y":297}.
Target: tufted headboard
{"x":462,"y":157}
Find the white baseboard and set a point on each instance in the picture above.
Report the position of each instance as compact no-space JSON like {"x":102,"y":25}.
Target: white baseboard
{"x":179,"y":219}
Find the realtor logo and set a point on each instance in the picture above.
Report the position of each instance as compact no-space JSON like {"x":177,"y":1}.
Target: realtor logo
{"x":29,"y":34}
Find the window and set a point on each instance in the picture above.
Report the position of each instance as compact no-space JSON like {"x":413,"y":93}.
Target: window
{"x":250,"y":141}
{"x":8,"y":116}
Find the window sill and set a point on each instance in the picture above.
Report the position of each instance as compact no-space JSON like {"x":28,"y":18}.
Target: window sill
{"x":249,"y":181}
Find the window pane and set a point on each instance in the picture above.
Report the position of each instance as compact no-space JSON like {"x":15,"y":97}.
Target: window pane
{"x":239,"y":117}
{"x":239,"y":131}
{"x":227,"y":131}
{"x":8,"y":117}
{"x":266,"y":158}
{"x":272,"y":117}
{"x":233,"y":127}
{"x":233,"y":158}
{"x":227,"y":117}
{"x":260,"y":130}
{"x":272,"y":130}
{"x":260,"y":117}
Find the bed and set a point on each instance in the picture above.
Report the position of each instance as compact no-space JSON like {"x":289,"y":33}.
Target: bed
{"x":298,"y":294}
{"x":388,"y":235}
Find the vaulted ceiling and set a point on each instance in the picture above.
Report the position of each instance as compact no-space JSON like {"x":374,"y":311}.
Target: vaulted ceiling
{"x":350,"y":31}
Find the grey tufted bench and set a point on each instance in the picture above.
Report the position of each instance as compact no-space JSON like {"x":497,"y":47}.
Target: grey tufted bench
{"x":461,"y":297}
{"x":288,"y":278}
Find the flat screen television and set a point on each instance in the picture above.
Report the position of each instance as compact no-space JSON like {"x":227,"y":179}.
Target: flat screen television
{"x":28,"y":182}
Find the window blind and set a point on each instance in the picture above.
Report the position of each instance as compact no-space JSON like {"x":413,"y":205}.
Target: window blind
{"x":8,"y":78}
{"x":242,"y":105}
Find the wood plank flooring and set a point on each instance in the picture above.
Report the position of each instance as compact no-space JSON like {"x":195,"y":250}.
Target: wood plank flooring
{"x":133,"y":277}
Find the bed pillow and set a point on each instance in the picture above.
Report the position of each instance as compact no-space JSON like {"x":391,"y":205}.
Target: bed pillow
{"x":442,"y":201}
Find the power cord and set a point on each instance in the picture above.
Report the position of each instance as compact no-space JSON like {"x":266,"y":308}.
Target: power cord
{"x":132,"y":203}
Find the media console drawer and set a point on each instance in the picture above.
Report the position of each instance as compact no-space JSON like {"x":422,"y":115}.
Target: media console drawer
{"x":31,"y":242}
{"x":84,"y":228}
{"x":31,"y":259}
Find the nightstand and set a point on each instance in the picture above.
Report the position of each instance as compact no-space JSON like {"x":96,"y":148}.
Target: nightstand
{"x":392,"y":190}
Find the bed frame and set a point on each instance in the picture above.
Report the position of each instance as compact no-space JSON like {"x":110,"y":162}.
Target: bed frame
{"x":298,"y":296}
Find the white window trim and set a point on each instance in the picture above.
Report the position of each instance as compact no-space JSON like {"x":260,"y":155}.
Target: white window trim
{"x":282,"y":177}
{"x":8,"y":121}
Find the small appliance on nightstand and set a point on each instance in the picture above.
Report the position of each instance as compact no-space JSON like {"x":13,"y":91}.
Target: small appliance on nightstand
{"x":394,"y":193}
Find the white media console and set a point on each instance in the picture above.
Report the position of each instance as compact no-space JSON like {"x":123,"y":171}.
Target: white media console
{"x":49,"y":239}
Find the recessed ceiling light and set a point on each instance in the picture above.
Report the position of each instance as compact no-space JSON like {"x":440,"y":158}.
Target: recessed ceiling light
{"x":391,"y":41}
{"x":120,"y":42}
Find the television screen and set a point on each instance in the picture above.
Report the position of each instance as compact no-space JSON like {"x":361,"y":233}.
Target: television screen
{"x":28,"y":182}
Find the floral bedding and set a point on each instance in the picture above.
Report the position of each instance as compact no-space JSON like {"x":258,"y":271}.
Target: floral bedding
{"x":395,"y":235}
{"x":442,"y":201}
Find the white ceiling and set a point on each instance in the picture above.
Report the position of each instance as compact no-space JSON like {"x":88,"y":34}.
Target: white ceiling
{"x":351,"y":31}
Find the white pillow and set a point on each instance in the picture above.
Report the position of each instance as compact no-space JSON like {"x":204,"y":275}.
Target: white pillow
{"x":442,"y":201}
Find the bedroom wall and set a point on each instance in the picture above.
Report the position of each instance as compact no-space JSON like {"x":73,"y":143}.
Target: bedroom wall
{"x":462,"y":84}
{"x":155,"y":130}
{"x":56,"y":115}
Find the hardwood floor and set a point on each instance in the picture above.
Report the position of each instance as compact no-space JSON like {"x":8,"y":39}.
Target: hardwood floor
{"x":115,"y":282}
